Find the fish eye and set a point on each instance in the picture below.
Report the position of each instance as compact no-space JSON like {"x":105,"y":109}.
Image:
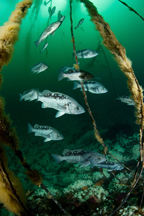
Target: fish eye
{"x":78,"y":108}
{"x":99,"y":158}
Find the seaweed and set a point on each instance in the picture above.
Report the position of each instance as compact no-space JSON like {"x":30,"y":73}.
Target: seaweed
{"x":119,"y":53}
{"x":12,"y":197}
{"x":131,"y":9}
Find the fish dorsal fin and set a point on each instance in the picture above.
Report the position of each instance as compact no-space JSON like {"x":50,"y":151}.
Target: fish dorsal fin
{"x":59,"y":113}
{"x":36,"y":126}
{"x":46,"y":92}
{"x":65,"y":151}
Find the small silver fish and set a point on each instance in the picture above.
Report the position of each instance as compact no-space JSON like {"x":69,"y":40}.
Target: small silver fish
{"x":61,"y":102}
{"x":91,"y":86}
{"x":83,"y":157}
{"x":40,"y":67}
{"x":127,"y":100}
{"x":86,"y":53}
{"x":29,"y":95}
{"x":108,"y":165}
{"x":44,"y":47}
{"x":49,"y":30}
{"x":72,"y":75}
{"x":49,"y":133}
{"x":62,"y":19}
{"x":79,"y":23}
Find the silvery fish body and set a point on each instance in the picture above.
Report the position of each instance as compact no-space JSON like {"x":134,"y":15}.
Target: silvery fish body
{"x":83,"y":157}
{"x":127,"y":100}
{"x":49,"y":133}
{"x":86,"y":53}
{"x":109,"y":165}
{"x":49,"y":30}
{"x":44,"y":47}
{"x":61,"y":102}
{"x":38,"y":68}
{"x":72,"y":75}
{"x":29,"y":95}
{"x":79,"y":23}
{"x":91,"y":86}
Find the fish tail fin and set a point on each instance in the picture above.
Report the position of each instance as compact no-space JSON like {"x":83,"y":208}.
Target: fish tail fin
{"x":76,"y":85}
{"x":36,"y":43}
{"x":30,"y":128}
{"x":60,"y":75}
{"x":21,"y":96}
{"x":58,"y":158}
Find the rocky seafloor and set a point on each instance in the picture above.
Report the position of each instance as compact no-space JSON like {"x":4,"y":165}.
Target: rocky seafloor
{"x":81,"y":190}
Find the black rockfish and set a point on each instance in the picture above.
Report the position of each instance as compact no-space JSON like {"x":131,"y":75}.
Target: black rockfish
{"x":83,"y":157}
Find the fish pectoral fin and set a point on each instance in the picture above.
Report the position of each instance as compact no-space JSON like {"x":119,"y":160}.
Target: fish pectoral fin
{"x":52,"y":34}
{"x":59,"y":113}
{"x":44,"y":105}
{"x":37,"y":134}
{"x":61,"y":107}
{"x":84,"y":164}
{"x":47,"y":139}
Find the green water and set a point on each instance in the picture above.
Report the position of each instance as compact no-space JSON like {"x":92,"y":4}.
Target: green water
{"x":110,"y":114}
{"x":129,"y":30}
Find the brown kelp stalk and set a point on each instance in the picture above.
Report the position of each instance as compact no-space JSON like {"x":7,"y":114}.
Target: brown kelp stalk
{"x":8,"y":36}
{"x":11,"y":196}
{"x":125,"y":65}
{"x":131,"y":9}
{"x":96,"y":133}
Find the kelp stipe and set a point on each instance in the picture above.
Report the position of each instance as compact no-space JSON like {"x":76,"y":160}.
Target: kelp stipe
{"x":12,"y":196}
{"x":125,"y":65}
{"x":11,"y":192}
{"x":96,"y":132}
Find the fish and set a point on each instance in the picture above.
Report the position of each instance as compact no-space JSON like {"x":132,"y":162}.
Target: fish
{"x":108,"y":165}
{"x":71,"y":75}
{"x":44,"y":47}
{"x":49,"y":133}
{"x":61,"y":102}
{"x":86,"y":53}
{"x":29,"y":95}
{"x":91,"y":86}
{"x":127,"y":100}
{"x":59,"y":15}
{"x":80,"y":156}
{"x":62,"y":18}
{"x":79,"y":23}
{"x":40,"y":67}
{"x":49,"y":30}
